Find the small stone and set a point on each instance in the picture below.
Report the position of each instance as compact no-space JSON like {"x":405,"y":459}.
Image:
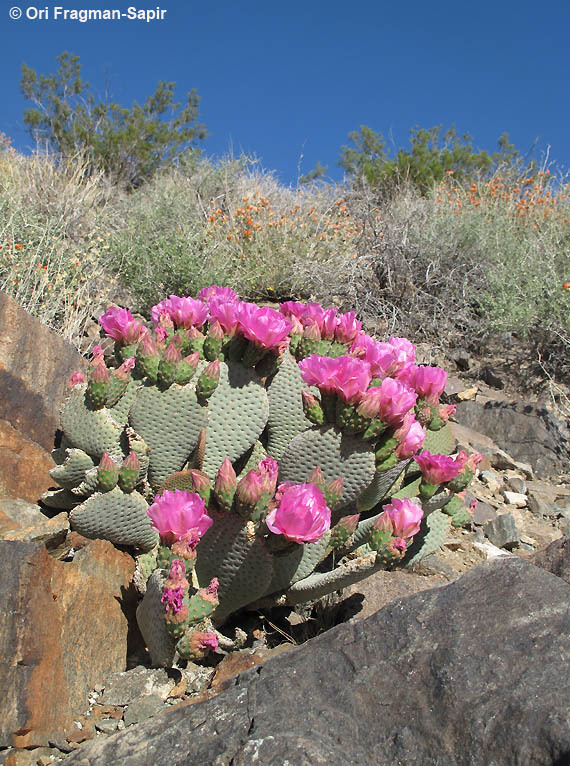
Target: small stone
{"x":124,"y":688}
{"x":517,"y":484}
{"x":515,"y":498}
{"x":143,"y":708}
{"x":491,"y":480}
{"x":107,"y":725}
{"x":469,"y":393}
{"x":491,"y":551}
{"x":538,"y":505}
{"x":483,"y":513}
{"x":197,"y":677}
{"x":503,"y":531}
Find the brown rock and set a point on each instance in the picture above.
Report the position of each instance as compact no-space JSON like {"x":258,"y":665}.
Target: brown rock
{"x":53,"y":533}
{"x":35,"y":365}
{"x":383,"y":587}
{"x":24,"y":464}
{"x":63,"y":632}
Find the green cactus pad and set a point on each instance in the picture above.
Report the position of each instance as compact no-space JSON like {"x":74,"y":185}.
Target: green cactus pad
{"x":458,"y":511}
{"x":337,"y":455}
{"x":122,"y":519}
{"x":120,"y":412}
{"x":170,"y":423}
{"x":89,"y":485}
{"x":286,"y":416}
{"x":72,"y":471}
{"x":145,"y":566}
{"x":384,"y":484}
{"x":293,"y":565}
{"x":238,"y":412}
{"x":440,"y":442}
{"x":60,"y":498}
{"x":231,"y":551}
{"x":432,"y":535}
{"x":93,"y":431}
{"x":254,"y":457}
{"x":150,"y":619}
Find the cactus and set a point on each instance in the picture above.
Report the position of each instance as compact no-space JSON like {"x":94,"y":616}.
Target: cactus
{"x":257,"y":456}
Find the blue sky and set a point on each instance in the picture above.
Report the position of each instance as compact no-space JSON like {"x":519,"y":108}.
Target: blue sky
{"x":288,"y":81}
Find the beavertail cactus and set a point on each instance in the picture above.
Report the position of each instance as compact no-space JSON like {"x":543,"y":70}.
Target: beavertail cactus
{"x":255,"y":456}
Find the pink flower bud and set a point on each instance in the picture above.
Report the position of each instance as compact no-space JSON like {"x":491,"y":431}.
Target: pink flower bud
{"x":312,"y":332}
{"x":268,"y":470}
{"x":210,"y":592}
{"x":124,"y":371}
{"x":161,"y":334}
{"x":99,"y":373}
{"x":76,"y":379}
{"x":172,"y":599}
{"x":172,"y":354}
{"x":250,"y":489}
{"x":316,"y":477}
{"x":226,"y":480}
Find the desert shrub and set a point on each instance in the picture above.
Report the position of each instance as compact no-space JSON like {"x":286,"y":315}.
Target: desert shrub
{"x":226,"y":223}
{"x":52,"y":222}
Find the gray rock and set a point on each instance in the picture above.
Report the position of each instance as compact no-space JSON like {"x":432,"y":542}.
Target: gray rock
{"x":23,"y":513}
{"x":555,"y":558}
{"x":529,"y":433}
{"x":107,"y":725}
{"x":489,"y":687}
{"x":143,"y":708}
{"x":124,"y":688}
{"x":541,"y":507}
{"x":503,"y":531}
{"x":483,"y":513}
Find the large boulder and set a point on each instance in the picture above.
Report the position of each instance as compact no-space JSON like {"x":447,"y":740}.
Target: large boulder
{"x":35,"y":366}
{"x":63,"y":630}
{"x":469,"y":674}
{"x":529,"y":433}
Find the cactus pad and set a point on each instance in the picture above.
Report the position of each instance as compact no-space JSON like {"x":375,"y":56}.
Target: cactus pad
{"x":337,"y":455}
{"x":286,"y":416}
{"x":384,"y":485}
{"x":170,"y":423}
{"x":238,"y":412}
{"x":72,"y":471}
{"x":93,"y":431}
{"x":231,"y":551}
{"x":152,"y":625}
{"x":122,"y":519}
{"x":433,"y":532}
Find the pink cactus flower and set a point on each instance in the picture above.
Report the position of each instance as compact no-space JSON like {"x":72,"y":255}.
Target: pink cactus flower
{"x":184,"y":312}
{"x":264,"y":326}
{"x":388,"y":402}
{"x":172,"y":599}
{"x":293,"y":309}
{"x":329,"y":323}
{"x":225,"y":312}
{"x":430,"y":383}
{"x":207,"y":294}
{"x":346,"y":376}
{"x":405,"y":516}
{"x":161,"y":334}
{"x":387,"y":359}
{"x":179,"y":514}
{"x":347,"y":328}
{"x":411,"y":436}
{"x":302,"y":514}
{"x":437,"y":469}
{"x":120,"y":325}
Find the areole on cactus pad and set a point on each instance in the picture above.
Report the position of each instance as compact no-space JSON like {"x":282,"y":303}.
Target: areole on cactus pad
{"x":254,"y":456}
